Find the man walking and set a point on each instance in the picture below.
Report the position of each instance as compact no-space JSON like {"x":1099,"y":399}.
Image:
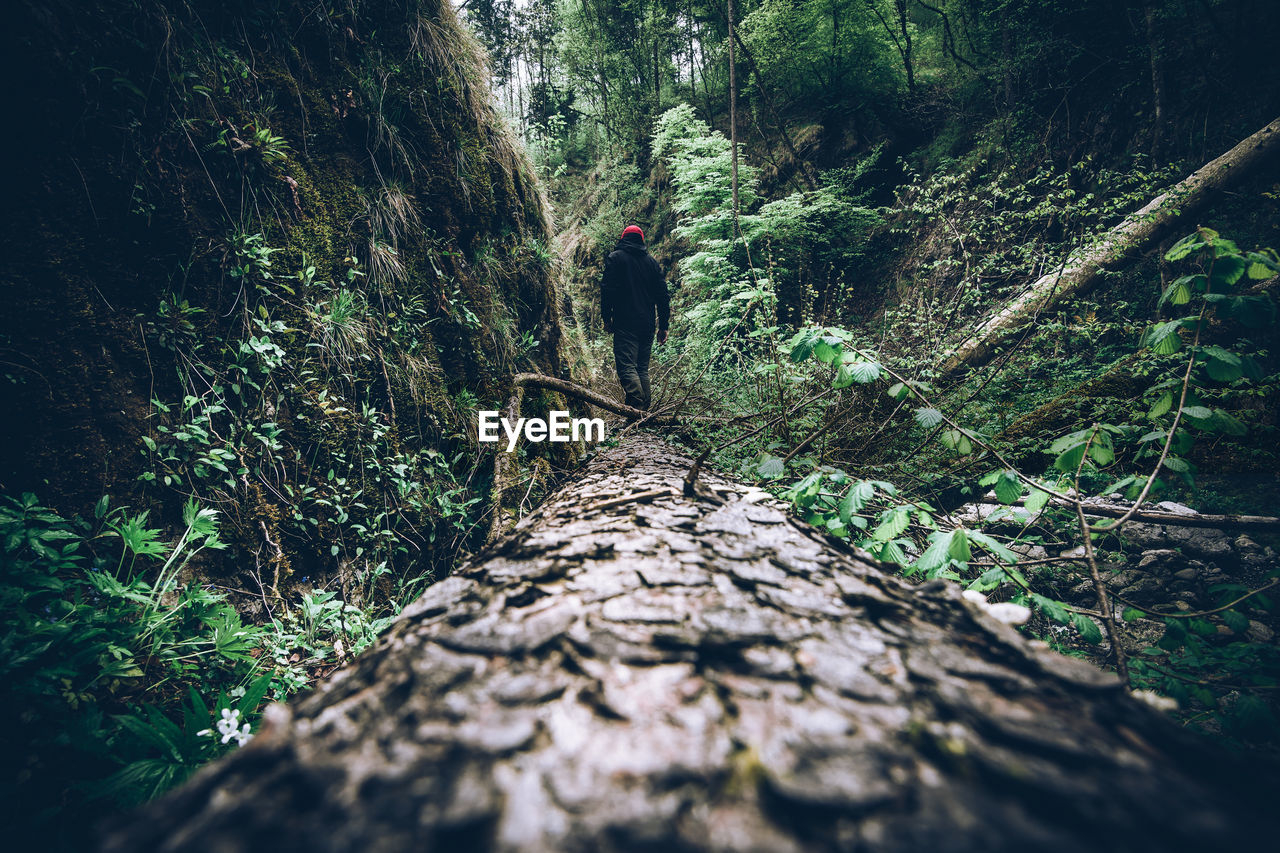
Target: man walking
{"x":632,"y":289}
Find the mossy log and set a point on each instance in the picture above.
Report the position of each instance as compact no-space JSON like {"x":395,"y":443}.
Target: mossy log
{"x":704,"y":673}
{"x":1084,"y":267}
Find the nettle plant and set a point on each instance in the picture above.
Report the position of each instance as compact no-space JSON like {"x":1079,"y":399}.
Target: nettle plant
{"x":1194,"y":662}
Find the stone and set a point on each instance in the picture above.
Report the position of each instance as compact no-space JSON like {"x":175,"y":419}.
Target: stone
{"x":1258,"y":632}
{"x":1162,"y":561}
{"x":1204,"y":542}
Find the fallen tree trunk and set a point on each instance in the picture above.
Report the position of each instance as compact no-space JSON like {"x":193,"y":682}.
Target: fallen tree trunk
{"x":1176,"y":519}
{"x":1084,"y":267}
{"x":703,"y":673}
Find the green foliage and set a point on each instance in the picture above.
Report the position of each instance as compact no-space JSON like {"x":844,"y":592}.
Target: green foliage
{"x":741,"y":264}
{"x":86,"y":638}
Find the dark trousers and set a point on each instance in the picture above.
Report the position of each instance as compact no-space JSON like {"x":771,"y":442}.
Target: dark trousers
{"x":631,"y":351}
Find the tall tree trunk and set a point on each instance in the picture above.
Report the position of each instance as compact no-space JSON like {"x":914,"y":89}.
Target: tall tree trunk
{"x":1139,"y":229}
{"x":1156,"y":52}
{"x":733,"y":114}
{"x":807,"y":174}
{"x":907,"y":61}
{"x":636,"y":669}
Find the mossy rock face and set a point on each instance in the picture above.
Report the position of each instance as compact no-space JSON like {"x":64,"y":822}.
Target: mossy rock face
{"x":310,"y":230}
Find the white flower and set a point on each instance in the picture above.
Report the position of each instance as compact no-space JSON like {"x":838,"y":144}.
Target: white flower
{"x":228,"y":725}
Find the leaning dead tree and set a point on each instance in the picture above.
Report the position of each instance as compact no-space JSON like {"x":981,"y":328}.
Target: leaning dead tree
{"x":1084,"y":267}
{"x":637,"y":669}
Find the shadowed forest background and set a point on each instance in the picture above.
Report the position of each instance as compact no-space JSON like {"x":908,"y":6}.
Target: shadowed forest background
{"x":265,"y":261}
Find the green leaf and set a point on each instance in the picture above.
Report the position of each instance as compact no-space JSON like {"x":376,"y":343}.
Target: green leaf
{"x":864,"y":372}
{"x":1199,"y":413}
{"x":855,"y":499}
{"x":1087,"y":627}
{"x":989,"y":580}
{"x":1077,"y":438}
{"x":254,"y":694}
{"x":1037,"y":500}
{"x":1051,"y":609}
{"x":1131,"y":614}
{"x":1102,"y":451}
{"x":992,"y":546}
{"x":770,"y":468}
{"x":956,"y":440}
{"x":1185,"y":246}
{"x":898,"y":390}
{"x":1163,"y":338}
{"x":928,"y":418}
{"x":1222,"y":365}
{"x":937,"y":554}
{"x":890,"y":552}
{"x":805,"y":492}
{"x":1179,"y":292}
{"x":1161,"y":406}
{"x":1227,"y":270}
{"x":802,"y":346}
{"x":1228,"y":424}
{"x":1261,"y":267}
{"x":843,"y":378}
{"x":1236,"y":621}
{"x":825,"y":352}
{"x":1008,"y":487}
{"x":892,"y":523}
{"x":1069,"y":460}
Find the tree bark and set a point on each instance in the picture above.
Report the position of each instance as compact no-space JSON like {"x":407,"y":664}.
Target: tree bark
{"x":704,"y":673}
{"x":1138,"y":230}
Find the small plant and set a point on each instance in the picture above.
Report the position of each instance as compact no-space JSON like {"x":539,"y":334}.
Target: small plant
{"x":248,"y":257}
{"x":342,"y":330}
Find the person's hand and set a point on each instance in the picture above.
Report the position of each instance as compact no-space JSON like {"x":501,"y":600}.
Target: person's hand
{"x":662,"y":336}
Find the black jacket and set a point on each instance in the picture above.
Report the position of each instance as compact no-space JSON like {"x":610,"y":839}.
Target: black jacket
{"x":632,"y":288}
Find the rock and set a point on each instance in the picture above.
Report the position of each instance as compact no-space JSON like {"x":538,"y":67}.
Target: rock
{"x":1076,"y":552}
{"x":1246,"y":547}
{"x":1146,"y":537}
{"x":1029,"y":552}
{"x":1160,"y":561}
{"x":1121,"y":579}
{"x":1258,"y":632}
{"x":1175,"y":508}
{"x":1253,"y":556}
{"x":1204,"y":542}
{"x":1188,"y":574}
{"x":980,"y":514}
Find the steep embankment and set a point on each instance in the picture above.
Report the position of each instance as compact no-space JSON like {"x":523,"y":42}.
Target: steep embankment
{"x":282,"y":251}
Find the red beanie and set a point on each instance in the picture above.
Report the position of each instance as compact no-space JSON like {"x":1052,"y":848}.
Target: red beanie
{"x":633,"y":229}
